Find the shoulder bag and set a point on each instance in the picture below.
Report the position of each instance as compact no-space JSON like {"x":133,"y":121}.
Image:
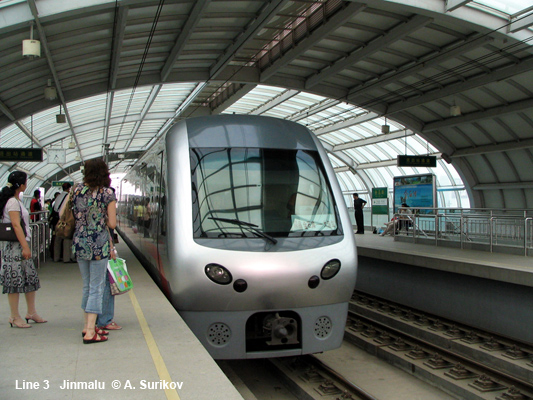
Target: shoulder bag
{"x":7,"y":233}
{"x":67,"y":223}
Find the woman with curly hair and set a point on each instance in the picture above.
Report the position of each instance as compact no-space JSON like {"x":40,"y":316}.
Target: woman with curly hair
{"x":17,"y":272}
{"x":94,"y":209}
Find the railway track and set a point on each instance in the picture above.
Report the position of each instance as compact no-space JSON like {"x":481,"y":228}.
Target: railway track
{"x":468,"y":363}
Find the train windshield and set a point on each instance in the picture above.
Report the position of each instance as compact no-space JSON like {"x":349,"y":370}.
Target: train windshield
{"x":247,"y":192}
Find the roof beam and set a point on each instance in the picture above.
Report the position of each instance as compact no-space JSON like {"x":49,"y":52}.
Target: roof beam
{"x":229,"y":96}
{"x":521,"y":23}
{"x":504,"y":186}
{"x":263,"y":16}
{"x":455,"y":4}
{"x":395,"y":34}
{"x":194,"y":17}
{"x":182,"y":107}
{"x":149,"y":102}
{"x":346,"y":124}
{"x":345,"y":159}
{"x":48,"y":53}
{"x":373,"y":140}
{"x":276,"y":101}
{"x":381,"y":164}
{"x":493,"y":148}
{"x":427,"y":61}
{"x":109,"y":107}
{"x":461,"y":86}
{"x":117,"y":45}
{"x":477,"y":116}
{"x":344,"y":14}
{"x":314,"y":109}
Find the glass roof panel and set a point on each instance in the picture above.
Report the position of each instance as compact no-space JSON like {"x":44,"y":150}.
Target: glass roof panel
{"x":506,"y":6}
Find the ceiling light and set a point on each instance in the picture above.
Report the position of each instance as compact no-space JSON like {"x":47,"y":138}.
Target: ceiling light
{"x":60,"y":118}
{"x":385,"y":129}
{"x":121,"y":156}
{"x":455,"y":111}
{"x":50,"y":92}
{"x":72,"y":145}
{"x":31,"y":48}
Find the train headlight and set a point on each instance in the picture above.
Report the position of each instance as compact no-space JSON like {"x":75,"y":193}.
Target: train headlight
{"x":331,"y":269}
{"x":218,"y":274}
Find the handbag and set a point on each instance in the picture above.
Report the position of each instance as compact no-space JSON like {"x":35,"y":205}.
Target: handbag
{"x":119,"y":279}
{"x":67,"y":223}
{"x":7,"y":233}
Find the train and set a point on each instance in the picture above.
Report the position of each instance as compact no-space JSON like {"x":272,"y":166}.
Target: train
{"x":241,"y":222}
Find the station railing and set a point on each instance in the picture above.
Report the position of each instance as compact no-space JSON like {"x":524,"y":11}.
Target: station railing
{"x":40,"y":237}
{"x":508,"y":231}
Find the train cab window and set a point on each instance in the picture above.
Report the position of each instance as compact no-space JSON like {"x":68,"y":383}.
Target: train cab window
{"x":238,"y":192}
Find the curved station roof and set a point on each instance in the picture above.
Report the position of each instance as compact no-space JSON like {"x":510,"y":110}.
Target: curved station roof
{"x":452,"y":79}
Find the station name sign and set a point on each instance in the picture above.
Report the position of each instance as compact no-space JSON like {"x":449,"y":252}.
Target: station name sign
{"x":60,"y":183}
{"x":21,"y":154}
{"x":417,"y":161}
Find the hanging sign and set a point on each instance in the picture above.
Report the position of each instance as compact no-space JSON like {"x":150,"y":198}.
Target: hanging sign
{"x":60,"y":183}
{"x":417,"y":161}
{"x":380,"y":201}
{"x":21,"y":154}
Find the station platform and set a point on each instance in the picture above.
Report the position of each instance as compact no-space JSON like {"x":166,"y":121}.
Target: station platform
{"x":155,"y":345}
{"x":482,"y":290}
{"x":500,"y":267}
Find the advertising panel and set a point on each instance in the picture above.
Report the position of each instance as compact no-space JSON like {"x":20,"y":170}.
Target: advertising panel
{"x":416,"y":191}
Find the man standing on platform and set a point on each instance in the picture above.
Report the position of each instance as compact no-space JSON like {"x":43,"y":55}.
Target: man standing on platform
{"x":358,"y":205}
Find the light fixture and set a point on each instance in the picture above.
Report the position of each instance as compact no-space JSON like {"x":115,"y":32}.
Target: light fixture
{"x":72,"y":145}
{"x":121,"y":156}
{"x":385,"y":129}
{"x":31,"y":48}
{"x":60,"y":118}
{"x":50,"y":92}
{"x":455,"y":111}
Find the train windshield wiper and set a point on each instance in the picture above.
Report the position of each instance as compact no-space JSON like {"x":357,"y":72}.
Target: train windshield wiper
{"x":248,"y":226}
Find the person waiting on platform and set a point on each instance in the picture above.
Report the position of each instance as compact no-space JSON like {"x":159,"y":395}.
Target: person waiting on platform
{"x":35,"y":206}
{"x":405,"y":219}
{"x":17,"y":271}
{"x":358,"y":205}
{"x":94,"y":209}
{"x":390,"y":226}
{"x":61,"y":245}
{"x":104,"y":321}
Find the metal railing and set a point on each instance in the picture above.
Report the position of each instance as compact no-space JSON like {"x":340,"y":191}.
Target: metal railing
{"x":481,"y":229}
{"x":40,"y":237}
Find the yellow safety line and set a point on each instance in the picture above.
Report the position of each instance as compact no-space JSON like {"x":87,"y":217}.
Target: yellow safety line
{"x":159,"y":363}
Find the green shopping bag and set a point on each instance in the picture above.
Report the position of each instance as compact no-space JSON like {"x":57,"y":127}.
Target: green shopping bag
{"x":119,"y":278}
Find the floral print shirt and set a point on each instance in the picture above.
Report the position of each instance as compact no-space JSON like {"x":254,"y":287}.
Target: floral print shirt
{"x":91,"y":236}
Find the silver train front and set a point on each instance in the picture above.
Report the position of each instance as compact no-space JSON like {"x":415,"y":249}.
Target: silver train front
{"x":278,"y":299}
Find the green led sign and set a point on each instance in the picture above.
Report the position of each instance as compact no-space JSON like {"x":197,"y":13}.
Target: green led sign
{"x":21,"y":154}
{"x":417,"y":161}
{"x":60,"y":183}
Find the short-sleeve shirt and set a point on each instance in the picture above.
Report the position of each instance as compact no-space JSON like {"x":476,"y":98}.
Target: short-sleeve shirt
{"x":13,"y":204}
{"x":91,"y":236}
{"x":359,"y":203}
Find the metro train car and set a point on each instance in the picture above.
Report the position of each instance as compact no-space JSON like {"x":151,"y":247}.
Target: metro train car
{"x":241,"y":222}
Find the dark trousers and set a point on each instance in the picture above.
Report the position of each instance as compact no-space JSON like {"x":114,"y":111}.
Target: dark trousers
{"x":359,"y":221}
